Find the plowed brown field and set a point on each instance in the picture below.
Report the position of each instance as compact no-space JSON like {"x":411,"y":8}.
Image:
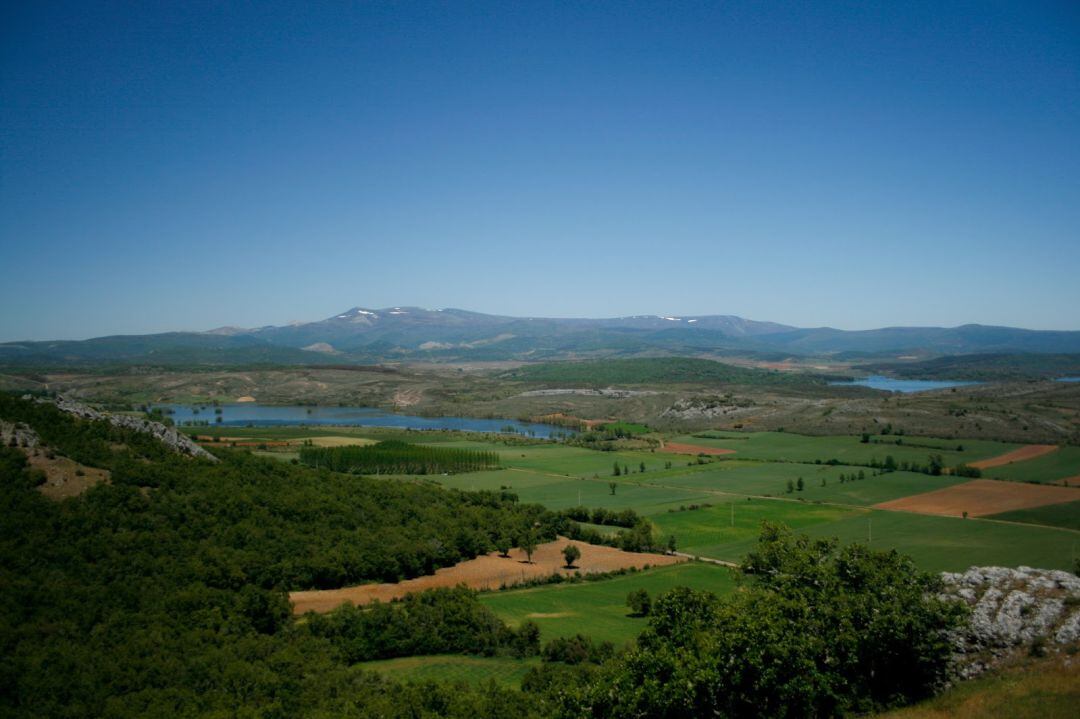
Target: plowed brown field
{"x":981,"y":497}
{"x":1030,"y":451}
{"x":679,"y":448}
{"x":489,"y":571}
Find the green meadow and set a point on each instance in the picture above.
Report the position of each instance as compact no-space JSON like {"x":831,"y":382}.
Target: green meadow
{"x":820,"y":482}
{"x":1059,"y":465}
{"x":1065,"y":515}
{"x":729,"y":529}
{"x":598,"y":608}
{"x":788,"y":447}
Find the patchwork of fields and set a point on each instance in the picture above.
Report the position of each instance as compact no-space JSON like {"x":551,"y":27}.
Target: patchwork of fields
{"x":713,"y":505}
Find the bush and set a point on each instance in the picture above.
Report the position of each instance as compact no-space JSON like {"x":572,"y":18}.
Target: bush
{"x":819,"y":630}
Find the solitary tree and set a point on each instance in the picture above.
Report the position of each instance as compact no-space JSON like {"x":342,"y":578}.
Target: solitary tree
{"x":503,"y":545}
{"x":642,"y":466}
{"x":671,"y":544}
{"x":790,"y":486}
{"x":800,"y":484}
{"x":612,"y":486}
{"x":571,"y":553}
{"x":626,"y":469}
{"x":617,"y":472}
{"x":639,"y":602}
{"x":528,"y":545}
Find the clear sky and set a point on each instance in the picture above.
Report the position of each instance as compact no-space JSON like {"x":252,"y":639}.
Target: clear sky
{"x":186,"y":165}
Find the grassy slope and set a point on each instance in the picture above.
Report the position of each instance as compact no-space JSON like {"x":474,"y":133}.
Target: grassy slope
{"x":1047,"y":689}
{"x":598,"y":608}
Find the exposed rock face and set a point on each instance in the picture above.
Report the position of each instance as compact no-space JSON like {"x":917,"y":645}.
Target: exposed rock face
{"x":18,"y":434}
{"x":1013,"y":610}
{"x":693,"y":408}
{"x":609,"y":392}
{"x":169,"y":436}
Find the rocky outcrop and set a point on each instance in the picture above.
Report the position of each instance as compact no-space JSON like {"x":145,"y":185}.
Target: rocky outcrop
{"x":17,"y":434}
{"x":169,"y":436}
{"x":1013,"y":610}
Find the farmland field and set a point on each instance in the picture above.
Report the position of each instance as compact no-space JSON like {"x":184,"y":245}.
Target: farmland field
{"x":788,"y":447}
{"x":598,"y":608}
{"x":1056,"y":515}
{"x":1056,"y":466}
{"x":711,"y":532}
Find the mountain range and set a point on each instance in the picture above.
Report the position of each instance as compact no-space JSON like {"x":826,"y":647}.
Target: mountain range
{"x":363,"y":335}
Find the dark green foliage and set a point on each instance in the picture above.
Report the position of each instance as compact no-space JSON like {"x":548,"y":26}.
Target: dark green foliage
{"x":571,"y":554}
{"x":819,"y":631}
{"x":163,"y":592}
{"x":395,"y":457}
{"x":640,"y":602}
{"x":577,"y":649}
{"x":440,"y":621}
{"x":599,"y":515}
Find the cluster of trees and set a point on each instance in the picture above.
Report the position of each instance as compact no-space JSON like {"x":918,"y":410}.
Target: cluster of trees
{"x":818,"y":630}
{"x":935,"y":466}
{"x":440,"y":621}
{"x":164,"y":591}
{"x":639,"y":537}
{"x":577,"y":649}
{"x":599,"y":515}
{"x":396,"y":457}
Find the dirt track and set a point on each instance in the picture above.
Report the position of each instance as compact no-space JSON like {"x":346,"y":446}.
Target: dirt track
{"x":982,"y":497}
{"x":489,"y":571}
{"x":679,"y":448}
{"x":1030,"y":451}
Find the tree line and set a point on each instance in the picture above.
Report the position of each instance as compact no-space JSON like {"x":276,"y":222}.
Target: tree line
{"x":396,"y":457}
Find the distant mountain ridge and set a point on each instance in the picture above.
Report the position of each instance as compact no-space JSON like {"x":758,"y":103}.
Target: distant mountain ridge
{"x":363,"y":335}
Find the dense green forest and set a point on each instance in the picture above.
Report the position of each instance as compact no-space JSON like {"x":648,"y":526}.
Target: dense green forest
{"x":395,"y":457}
{"x":162,"y":593}
{"x":653,"y":370}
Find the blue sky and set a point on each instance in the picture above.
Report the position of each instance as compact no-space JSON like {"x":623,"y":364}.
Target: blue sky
{"x":187,"y":165}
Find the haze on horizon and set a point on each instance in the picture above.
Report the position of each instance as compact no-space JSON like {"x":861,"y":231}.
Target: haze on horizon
{"x":856,"y":166}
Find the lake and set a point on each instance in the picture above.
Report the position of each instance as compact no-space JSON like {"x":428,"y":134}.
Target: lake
{"x":891,"y":384}
{"x":241,"y":415}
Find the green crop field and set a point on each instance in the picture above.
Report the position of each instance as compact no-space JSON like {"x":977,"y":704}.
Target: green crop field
{"x":770,"y":479}
{"x":1065,"y":515}
{"x":1061,"y":464}
{"x":555,"y":492}
{"x":730,"y":528}
{"x":598,"y":608}
{"x":788,"y":447}
{"x":504,"y":671}
{"x":952,"y":544}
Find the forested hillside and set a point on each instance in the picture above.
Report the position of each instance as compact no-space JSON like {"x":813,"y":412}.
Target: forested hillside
{"x":163,"y":593}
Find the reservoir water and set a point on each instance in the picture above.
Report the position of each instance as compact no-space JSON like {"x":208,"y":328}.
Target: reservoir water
{"x":241,"y":415}
{"x":891,"y":384}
